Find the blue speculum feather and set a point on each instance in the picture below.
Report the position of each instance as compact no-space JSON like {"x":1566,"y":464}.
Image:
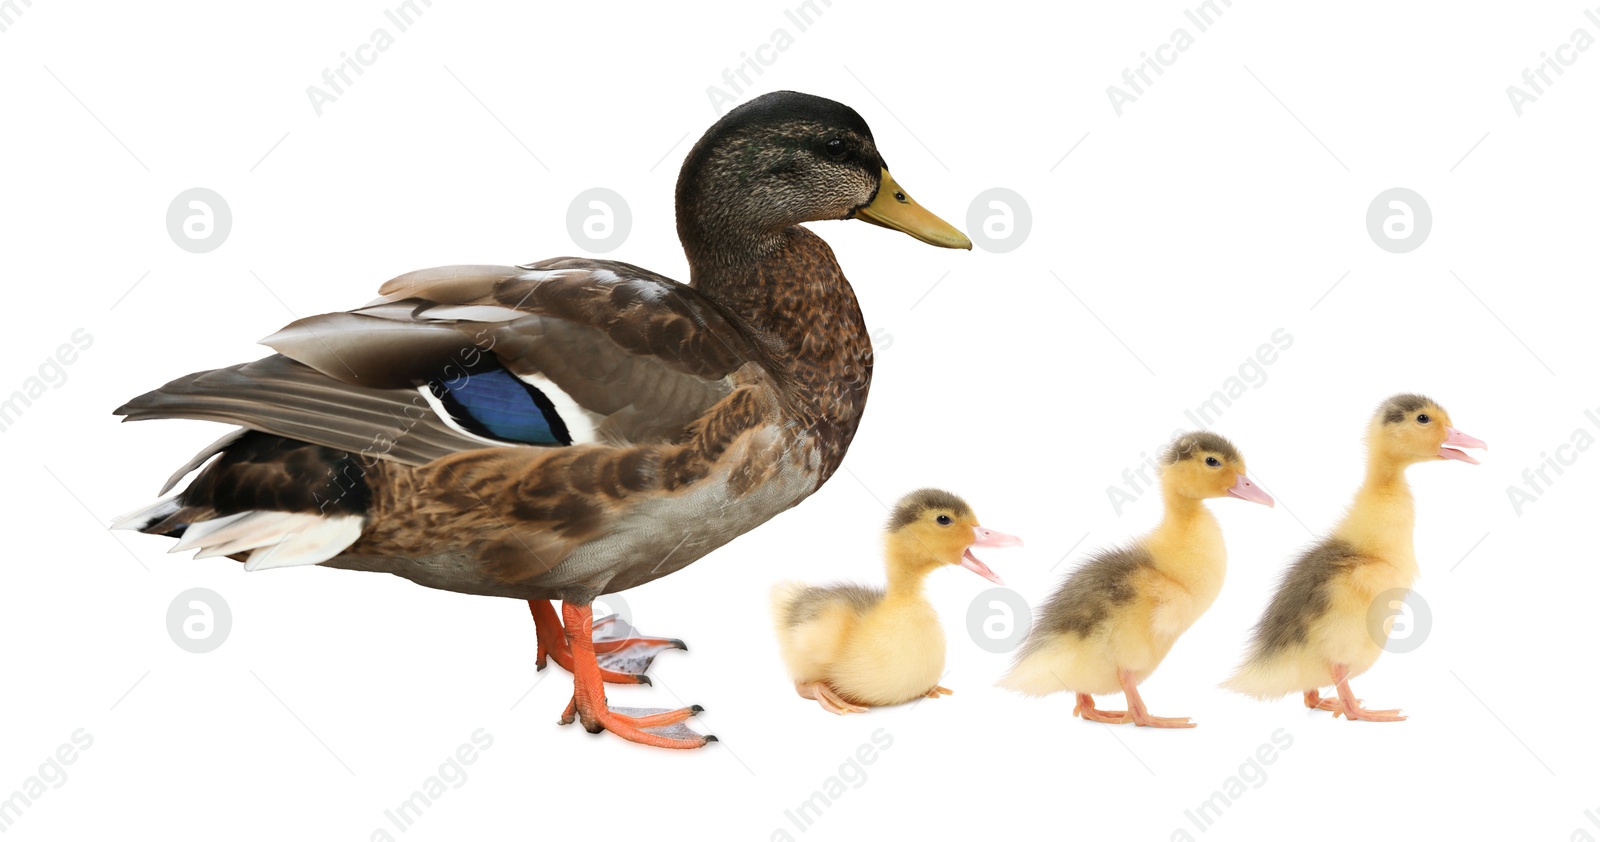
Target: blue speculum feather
{"x":495,"y":403}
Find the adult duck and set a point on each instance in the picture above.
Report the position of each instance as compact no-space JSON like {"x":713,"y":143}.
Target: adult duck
{"x":569,"y":428}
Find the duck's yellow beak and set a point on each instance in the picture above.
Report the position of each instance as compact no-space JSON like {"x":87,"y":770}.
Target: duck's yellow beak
{"x":892,"y":208}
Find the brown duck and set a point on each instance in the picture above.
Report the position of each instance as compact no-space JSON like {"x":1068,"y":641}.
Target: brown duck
{"x":569,"y":428}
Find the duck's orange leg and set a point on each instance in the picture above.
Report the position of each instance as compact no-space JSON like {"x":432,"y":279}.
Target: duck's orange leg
{"x":663,"y":729}
{"x":617,"y":654}
{"x":1347,"y":703}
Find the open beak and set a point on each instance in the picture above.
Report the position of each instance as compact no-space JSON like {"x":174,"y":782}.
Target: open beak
{"x":987,"y":538}
{"x":1244,"y":489}
{"x":892,"y":208}
{"x":1459,"y":439}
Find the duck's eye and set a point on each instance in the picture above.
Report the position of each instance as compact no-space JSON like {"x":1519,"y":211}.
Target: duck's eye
{"x":942,"y":520}
{"x":1211,"y":461}
{"x":835,"y":149}
{"x":1423,"y":418}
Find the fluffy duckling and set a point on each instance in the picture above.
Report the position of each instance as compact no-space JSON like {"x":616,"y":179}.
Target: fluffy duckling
{"x":1113,"y":620}
{"x":1316,"y":630}
{"x":850,"y":646}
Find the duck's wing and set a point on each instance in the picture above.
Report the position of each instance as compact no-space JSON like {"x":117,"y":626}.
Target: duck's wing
{"x":465,"y":357}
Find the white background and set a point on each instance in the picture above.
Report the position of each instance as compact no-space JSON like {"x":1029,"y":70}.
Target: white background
{"x":1169,"y":244}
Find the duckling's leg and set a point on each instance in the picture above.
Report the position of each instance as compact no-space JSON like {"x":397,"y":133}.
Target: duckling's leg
{"x":824,"y":696}
{"x":619,"y":653}
{"x":1141,"y":716}
{"x":938,"y":691}
{"x":1086,"y":709}
{"x":1351,"y":707}
{"x":660,"y":728}
{"x":1315,"y":701}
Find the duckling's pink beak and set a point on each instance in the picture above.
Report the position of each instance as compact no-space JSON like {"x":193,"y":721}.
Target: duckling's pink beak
{"x":1460,"y":439}
{"x":987,"y":538}
{"x":1244,"y":489}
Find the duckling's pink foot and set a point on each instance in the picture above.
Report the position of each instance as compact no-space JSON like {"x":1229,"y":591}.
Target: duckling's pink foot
{"x":1350,"y":706}
{"x":938,"y":691}
{"x":1315,"y":701}
{"x":622,"y":654}
{"x":1142,"y":716}
{"x":825,"y":696}
{"x":660,"y":728}
{"x":1085,"y":708}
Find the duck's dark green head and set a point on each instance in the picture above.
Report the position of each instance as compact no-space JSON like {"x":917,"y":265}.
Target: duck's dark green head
{"x":785,"y":158}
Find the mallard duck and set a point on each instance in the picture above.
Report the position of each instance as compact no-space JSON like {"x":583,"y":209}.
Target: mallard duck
{"x":848,"y":645}
{"x":569,"y":428}
{"x":1318,"y":629}
{"x":1114,"y":619}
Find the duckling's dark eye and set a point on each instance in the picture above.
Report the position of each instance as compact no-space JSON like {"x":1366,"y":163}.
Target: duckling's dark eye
{"x":1423,"y":418}
{"x":1211,"y":461}
{"x":943,"y":520}
{"x":835,"y":149}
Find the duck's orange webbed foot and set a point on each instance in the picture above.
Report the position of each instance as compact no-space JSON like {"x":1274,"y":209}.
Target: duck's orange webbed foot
{"x":660,"y":728}
{"x":623,"y":655}
{"x":938,"y":691}
{"x":826,"y":697}
{"x":1142,"y":716}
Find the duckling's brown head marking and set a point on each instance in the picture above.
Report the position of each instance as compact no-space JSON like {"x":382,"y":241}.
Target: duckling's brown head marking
{"x":1400,"y":407}
{"x":929,"y":503}
{"x":1410,"y":428}
{"x":1197,"y":445}
{"x":930,"y":528}
{"x":1202,"y":465}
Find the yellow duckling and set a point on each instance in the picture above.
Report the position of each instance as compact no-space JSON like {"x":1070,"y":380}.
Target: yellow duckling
{"x":1114,"y":619}
{"x":1317,"y":631}
{"x":850,"y":646}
